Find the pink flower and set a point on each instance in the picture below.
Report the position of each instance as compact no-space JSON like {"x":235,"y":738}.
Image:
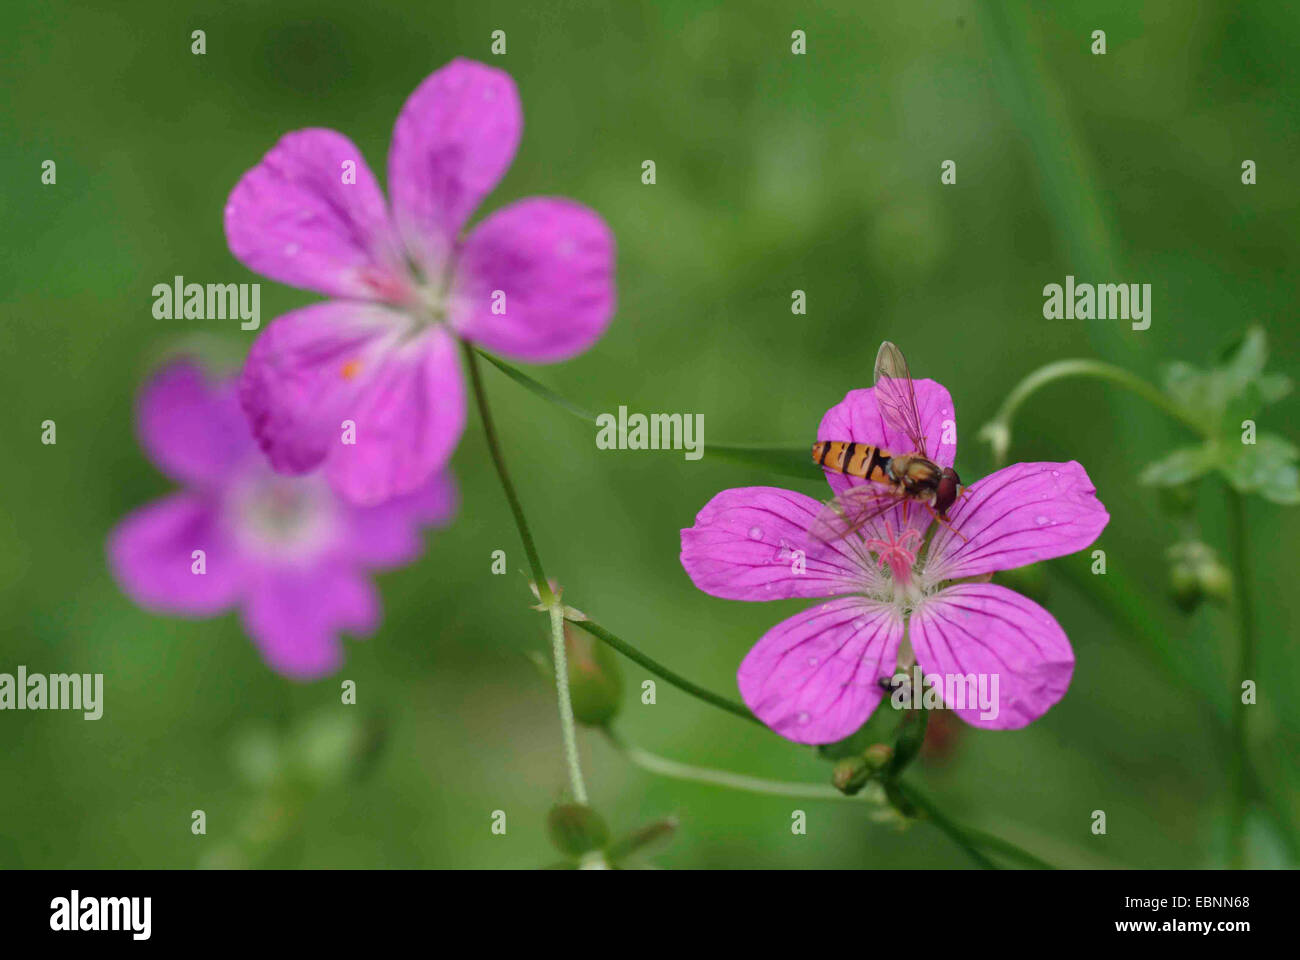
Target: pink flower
{"x":286,"y":551}
{"x":533,"y":281}
{"x":816,"y":677}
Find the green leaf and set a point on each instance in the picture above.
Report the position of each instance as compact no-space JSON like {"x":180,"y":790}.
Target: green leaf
{"x":1235,"y":388}
{"x":1243,"y":362}
{"x":1273,"y":387}
{"x":1189,"y":387}
{"x":543,"y":391}
{"x":1179,"y":467}
{"x":784,"y":460}
{"x":1268,"y":468}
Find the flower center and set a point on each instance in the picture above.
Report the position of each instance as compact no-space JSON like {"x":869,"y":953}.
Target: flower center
{"x":898,"y":552}
{"x":283,"y":518}
{"x":429,"y":304}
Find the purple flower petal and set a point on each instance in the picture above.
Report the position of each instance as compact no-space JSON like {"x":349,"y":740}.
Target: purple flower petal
{"x":408,"y":421}
{"x":192,"y":429}
{"x":983,"y":628}
{"x":744,"y":546}
{"x":151,"y":555}
{"x":858,"y":418}
{"x":452,"y":143}
{"x":305,"y":369}
{"x":390,"y":534}
{"x":294,"y":219}
{"x":535,"y":281}
{"x":296,"y":614}
{"x":815,"y":678}
{"x":1019,"y":515}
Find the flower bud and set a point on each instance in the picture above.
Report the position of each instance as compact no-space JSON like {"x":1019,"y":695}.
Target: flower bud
{"x":595,"y":684}
{"x":1195,"y":574}
{"x":576,"y":829}
{"x":851,"y":774}
{"x":878,"y":755}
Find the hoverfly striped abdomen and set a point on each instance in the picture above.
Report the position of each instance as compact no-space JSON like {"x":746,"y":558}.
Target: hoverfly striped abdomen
{"x":855,"y":459}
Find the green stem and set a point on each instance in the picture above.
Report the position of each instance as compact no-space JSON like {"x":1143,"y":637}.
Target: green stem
{"x":566,"y":704}
{"x":1006,"y":848}
{"x":494,"y":448}
{"x":724,"y":778}
{"x":957,"y":834}
{"x":998,"y":430}
{"x":1245,"y":671}
{"x":548,"y":599}
{"x":659,"y":670}
{"x":964,"y":837}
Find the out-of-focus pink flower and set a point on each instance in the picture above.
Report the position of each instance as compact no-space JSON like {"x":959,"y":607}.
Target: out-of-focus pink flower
{"x":286,"y":551}
{"x":533,"y":281}
{"x":815,"y":678}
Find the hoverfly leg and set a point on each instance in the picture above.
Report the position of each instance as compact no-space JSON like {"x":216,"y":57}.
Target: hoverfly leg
{"x":946,"y":522}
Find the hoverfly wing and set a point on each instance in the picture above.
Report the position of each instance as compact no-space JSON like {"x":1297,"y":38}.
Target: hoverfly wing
{"x":896,"y":397}
{"x":848,"y":513}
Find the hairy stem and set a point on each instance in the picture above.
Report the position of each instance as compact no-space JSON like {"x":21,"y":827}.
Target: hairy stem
{"x":724,"y":778}
{"x":552,"y":603}
{"x":566,"y":704}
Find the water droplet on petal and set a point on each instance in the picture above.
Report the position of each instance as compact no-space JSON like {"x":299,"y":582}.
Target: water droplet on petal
{"x":1056,"y":473}
{"x":291,"y":249}
{"x":756,"y":533}
{"x":1040,"y":519}
{"x":812,"y":661}
{"x":803,"y":718}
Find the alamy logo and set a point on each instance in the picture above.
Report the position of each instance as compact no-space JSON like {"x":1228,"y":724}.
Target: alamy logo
{"x":58,"y":691}
{"x":215,"y":301}
{"x":658,"y":431}
{"x":102,"y":913}
{"x":958,"y":691}
{"x":1104,"y":301}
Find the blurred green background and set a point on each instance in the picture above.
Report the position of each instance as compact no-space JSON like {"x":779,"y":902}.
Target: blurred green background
{"x":775,"y":172}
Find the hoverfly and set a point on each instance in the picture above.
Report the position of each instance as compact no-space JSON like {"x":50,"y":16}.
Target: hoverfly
{"x":895,"y":478}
